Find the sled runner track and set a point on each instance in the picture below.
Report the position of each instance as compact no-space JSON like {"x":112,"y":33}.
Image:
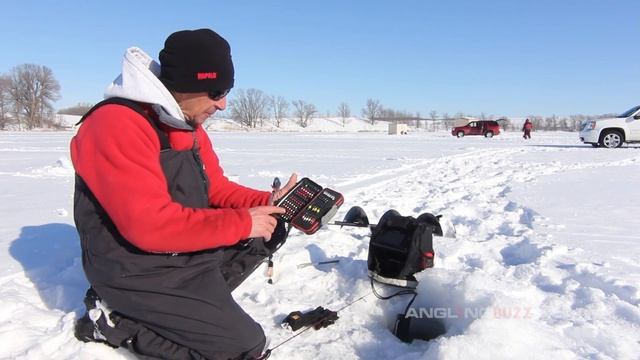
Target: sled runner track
{"x":369,"y":182}
{"x":498,"y":237}
{"x":441,"y":170}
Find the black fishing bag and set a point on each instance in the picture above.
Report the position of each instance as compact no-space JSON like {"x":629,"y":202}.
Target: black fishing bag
{"x":402,"y":246}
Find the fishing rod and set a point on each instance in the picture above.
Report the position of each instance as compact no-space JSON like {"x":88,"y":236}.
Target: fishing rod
{"x":356,"y":217}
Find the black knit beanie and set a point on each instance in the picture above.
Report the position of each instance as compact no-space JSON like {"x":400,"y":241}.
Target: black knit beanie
{"x":196,"y":61}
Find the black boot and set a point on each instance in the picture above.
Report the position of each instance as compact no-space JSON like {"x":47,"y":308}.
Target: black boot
{"x":86,"y":330}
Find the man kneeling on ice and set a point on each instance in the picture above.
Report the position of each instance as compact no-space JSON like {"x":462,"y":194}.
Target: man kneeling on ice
{"x":165,"y":236}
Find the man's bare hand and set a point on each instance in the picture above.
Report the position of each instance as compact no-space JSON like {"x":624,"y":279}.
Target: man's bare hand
{"x":262,"y":223}
{"x":278,"y":194}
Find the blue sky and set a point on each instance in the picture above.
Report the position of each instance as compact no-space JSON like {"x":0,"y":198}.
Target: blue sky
{"x":498,"y":57}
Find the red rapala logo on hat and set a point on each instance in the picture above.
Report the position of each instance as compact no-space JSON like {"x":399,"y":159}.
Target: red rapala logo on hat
{"x":207,"y":75}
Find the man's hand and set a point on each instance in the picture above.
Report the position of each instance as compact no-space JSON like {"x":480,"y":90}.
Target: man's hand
{"x":262,"y":223}
{"x":279,"y":193}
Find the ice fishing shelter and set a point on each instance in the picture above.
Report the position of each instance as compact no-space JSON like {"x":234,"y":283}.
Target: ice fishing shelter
{"x":398,"y":129}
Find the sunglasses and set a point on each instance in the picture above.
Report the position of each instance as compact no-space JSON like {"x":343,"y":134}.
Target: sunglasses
{"x":218,"y":94}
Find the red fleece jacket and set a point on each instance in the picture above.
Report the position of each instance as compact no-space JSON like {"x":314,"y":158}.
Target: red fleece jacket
{"x":116,"y":152}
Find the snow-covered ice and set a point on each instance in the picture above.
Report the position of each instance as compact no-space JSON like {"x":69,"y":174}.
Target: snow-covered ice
{"x":544,"y":264}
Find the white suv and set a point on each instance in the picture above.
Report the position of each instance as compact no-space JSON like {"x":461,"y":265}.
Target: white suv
{"x":612,"y":132}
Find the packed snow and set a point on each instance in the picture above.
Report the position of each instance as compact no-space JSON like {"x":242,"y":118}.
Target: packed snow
{"x":544,"y":262}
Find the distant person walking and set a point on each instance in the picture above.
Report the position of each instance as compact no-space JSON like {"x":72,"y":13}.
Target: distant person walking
{"x":526,"y":128}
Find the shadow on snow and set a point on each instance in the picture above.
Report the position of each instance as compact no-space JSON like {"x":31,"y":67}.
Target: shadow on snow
{"x":51,"y":258}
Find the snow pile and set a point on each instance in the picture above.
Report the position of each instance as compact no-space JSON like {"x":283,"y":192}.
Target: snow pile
{"x":544,"y":263}
{"x":63,"y":167}
{"x":67,"y":121}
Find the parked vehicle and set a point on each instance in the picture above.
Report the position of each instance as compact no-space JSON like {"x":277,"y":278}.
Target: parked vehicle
{"x":612,"y":132}
{"x":487,"y":128}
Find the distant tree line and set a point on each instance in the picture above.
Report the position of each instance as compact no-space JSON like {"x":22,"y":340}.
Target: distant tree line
{"x":252,"y":107}
{"x":27,"y":94}
{"x":554,"y":122}
{"x":79,"y":109}
{"x":28,"y":91}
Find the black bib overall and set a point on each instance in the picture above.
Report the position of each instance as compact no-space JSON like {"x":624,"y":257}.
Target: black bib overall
{"x":179,"y":305}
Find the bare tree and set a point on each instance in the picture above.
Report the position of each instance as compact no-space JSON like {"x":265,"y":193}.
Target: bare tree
{"x":249,"y":107}
{"x":563,"y":124}
{"x":575,"y":121}
{"x":445,"y":120}
{"x":433,"y":115}
{"x":506,"y":123}
{"x":372,"y":110}
{"x":344,"y":112}
{"x":5,"y":101}
{"x":418,"y":119}
{"x":33,"y":91}
{"x":537,"y":121}
{"x":280,"y":108}
{"x":551,"y":122}
{"x":304,"y":112}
